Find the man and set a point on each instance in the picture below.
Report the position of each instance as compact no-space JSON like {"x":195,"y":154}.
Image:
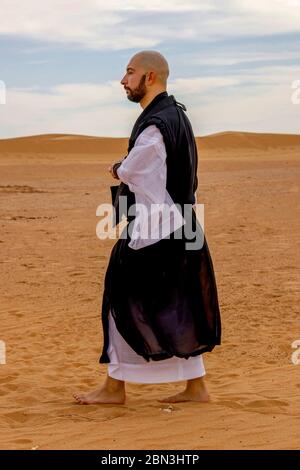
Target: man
{"x":160,"y":307}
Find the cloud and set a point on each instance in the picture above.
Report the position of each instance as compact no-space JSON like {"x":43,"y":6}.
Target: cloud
{"x":122,"y":24}
{"x":262,"y":111}
{"x":255,"y":101}
{"x":243,"y":57}
{"x":67,"y":108}
{"x":95,"y":24}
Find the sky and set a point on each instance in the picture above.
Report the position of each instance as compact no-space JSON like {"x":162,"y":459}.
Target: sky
{"x":235,"y":64}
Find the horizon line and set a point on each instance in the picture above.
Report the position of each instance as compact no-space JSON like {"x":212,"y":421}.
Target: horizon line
{"x":127,"y":137}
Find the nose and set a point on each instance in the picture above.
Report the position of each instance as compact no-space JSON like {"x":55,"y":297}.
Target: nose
{"x":123,"y":81}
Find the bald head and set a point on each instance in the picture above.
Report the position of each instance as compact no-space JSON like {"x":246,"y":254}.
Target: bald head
{"x":153,"y":61}
{"x":146,"y":76}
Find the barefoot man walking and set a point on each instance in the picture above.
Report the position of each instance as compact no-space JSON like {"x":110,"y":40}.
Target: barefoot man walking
{"x":160,"y":309}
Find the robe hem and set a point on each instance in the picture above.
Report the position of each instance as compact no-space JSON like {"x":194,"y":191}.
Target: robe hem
{"x":104,"y":358}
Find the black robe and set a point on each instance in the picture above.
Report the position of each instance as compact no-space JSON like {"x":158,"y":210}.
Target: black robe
{"x":163,"y":297}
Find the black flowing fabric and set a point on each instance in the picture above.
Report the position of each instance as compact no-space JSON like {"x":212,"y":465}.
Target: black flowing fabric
{"x":163,"y":297}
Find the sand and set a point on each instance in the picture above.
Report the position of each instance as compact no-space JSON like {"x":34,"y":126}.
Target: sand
{"x":52,"y":270}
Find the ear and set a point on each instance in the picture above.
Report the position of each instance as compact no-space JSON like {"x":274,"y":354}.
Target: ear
{"x":151,"y":77}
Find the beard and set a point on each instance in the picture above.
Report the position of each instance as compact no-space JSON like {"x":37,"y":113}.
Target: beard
{"x":139,"y":92}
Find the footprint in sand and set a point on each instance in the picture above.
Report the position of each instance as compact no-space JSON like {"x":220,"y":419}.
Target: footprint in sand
{"x":16,"y":417}
{"x":23,"y":441}
{"x":257,"y":406}
{"x":266,"y":405}
{"x":230,"y":404}
{"x":107,"y":413}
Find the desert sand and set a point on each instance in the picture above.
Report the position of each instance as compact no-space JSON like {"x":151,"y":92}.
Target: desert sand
{"x":52,"y":270}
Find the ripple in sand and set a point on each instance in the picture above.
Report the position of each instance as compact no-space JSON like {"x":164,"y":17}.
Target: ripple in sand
{"x":19,"y":189}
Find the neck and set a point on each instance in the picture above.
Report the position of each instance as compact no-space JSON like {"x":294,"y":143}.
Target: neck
{"x":150,"y":96}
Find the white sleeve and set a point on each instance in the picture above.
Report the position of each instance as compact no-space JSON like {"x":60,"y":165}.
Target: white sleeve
{"x":144,"y":169}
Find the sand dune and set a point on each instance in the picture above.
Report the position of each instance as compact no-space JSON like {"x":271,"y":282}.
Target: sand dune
{"x":248,"y":140}
{"x":67,"y":143}
{"x":64,"y":143}
{"x":52,"y":270}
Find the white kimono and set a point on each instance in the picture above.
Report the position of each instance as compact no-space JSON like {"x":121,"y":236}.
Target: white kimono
{"x":145,"y":172}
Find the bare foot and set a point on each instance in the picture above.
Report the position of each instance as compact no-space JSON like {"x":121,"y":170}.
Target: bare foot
{"x":202,"y":397}
{"x":195,"y":391}
{"x":100,"y":395}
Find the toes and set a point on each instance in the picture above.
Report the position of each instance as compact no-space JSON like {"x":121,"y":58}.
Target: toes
{"x":78,"y":398}
{"x":80,"y":401}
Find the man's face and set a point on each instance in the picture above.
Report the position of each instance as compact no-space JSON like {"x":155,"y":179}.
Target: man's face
{"x":134,"y":82}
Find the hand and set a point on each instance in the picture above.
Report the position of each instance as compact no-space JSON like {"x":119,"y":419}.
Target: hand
{"x":112,"y":169}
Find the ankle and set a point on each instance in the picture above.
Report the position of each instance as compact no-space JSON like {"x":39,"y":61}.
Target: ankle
{"x":114,"y":385}
{"x":196,"y":385}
